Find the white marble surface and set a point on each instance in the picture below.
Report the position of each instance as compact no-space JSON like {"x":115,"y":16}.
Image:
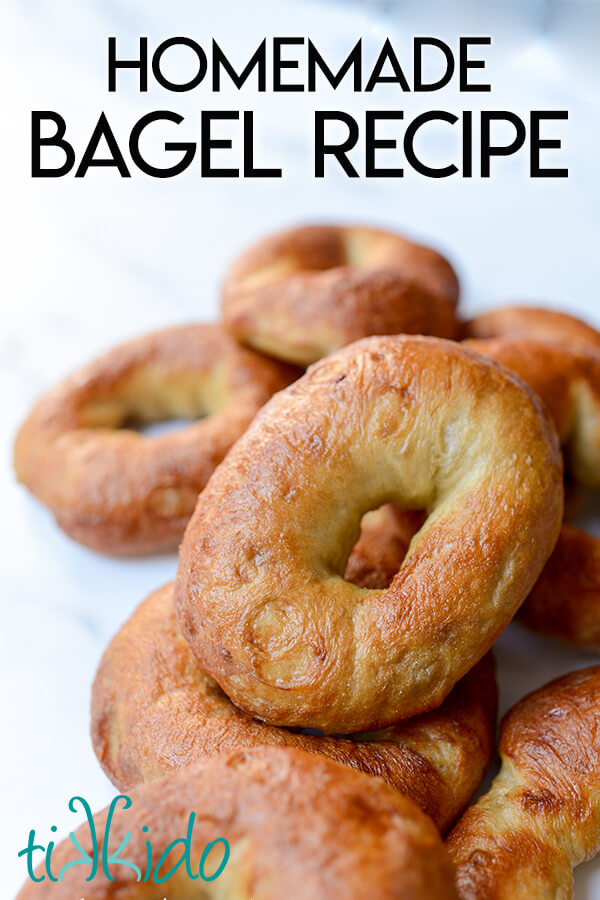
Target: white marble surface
{"x":91,"y":262}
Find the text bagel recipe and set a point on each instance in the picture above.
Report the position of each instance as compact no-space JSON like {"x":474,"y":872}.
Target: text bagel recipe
{"x":341,"y":141}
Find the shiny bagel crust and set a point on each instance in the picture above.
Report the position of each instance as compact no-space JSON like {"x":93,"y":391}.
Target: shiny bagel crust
{"x":298,"y":826}
{"x":300,"y":294}
{"x":109,"y":486}
{"x":422,"y":422}
{"x":541,"y":816}
{"x":154,"y":711}
{"x":533,"y":322}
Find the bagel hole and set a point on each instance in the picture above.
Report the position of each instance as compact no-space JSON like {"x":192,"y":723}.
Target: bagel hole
{"x":153,"y":402}
{"x":332,"y":249}
{"x":117,"y":416}
{"x":385,"y":536}
{"x":147,"y":419}
{"x":158,"y":428}
{"x":358,"y":246}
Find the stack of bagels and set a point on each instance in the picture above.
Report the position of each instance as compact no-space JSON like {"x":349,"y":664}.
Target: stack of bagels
{"x":317,"y":684}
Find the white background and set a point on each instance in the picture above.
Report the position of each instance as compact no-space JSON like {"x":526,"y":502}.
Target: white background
{"x":87,"y":263}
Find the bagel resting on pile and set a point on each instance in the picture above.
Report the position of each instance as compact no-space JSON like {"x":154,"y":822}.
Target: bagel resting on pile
{"x":260,"y":594}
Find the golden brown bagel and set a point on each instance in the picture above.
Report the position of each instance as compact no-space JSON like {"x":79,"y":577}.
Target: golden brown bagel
{"x":541,"y":816}
{"x":114,"y":489}
{"x":418,"y":421}
{"x":298,"y":826}
{"x":300,"y":294}
{"x":154,"y":710}
{"x":567,"y":378}
{"x":533,"y":322}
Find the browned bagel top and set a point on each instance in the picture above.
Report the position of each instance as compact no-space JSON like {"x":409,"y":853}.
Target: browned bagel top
{"x":298,"y":826}
{"x":303,"y":293}
{"x":317,"y":248}
{"x":260,"y":594}
{"x":121,"y":491}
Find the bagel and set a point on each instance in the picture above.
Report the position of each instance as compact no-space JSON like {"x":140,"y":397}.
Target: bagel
{"x":419,"y":421}
{"x":297,"y":826}
{"x":114,"y":489}
{"x":154,"y":710}
{"x":531,"y":321}
{"x":541,"y":816}
{"x":300,"y":294}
